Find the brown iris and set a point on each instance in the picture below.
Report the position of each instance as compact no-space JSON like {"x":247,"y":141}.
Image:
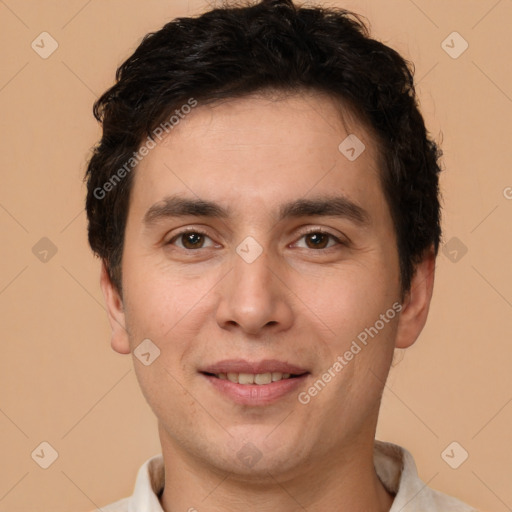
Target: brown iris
{"x":192,"y":240}
{"x":318,"y":239}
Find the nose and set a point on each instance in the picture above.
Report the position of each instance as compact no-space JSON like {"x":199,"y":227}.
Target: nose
{"x":255,"y":297}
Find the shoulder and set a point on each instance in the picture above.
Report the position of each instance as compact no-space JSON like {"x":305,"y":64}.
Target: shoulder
{"x":148,"y":485}
{"x":397,"y":470}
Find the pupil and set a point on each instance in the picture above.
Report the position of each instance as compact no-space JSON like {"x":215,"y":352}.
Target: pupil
{"x":193,"y":239}
{"x":319,"y":237}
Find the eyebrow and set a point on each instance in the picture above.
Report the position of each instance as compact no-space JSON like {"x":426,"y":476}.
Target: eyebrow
{"x":327,"y":206}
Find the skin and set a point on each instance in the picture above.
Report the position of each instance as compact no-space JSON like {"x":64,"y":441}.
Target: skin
{"x":296,"y":303}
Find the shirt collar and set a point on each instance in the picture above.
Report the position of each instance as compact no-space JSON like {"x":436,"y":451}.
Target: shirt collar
{"x":393,"y":464}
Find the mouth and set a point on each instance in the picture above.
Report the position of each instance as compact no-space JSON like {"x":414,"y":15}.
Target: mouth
{"x":260,"y":379}
{"x":256,"y":384}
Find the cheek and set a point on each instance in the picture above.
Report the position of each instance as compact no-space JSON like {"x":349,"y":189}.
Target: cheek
{"x":172,"y":312}
{"x":159,"y":298}
{"x":353,"y":292}
{"x":345,"y":307}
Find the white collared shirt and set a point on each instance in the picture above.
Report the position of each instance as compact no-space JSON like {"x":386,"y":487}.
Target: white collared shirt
{"x":394,"y":465}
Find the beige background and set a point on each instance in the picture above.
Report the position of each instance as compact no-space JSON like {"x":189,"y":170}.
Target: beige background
{"x":61,"y":383}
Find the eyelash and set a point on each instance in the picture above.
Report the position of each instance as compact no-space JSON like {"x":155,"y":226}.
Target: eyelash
{"x":309,"y":232}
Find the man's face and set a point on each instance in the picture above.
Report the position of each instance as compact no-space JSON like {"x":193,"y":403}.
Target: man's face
{"x":252,"y":292}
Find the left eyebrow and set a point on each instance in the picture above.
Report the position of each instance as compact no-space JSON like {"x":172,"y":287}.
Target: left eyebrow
{"x":325,"y":206}
{"x":330,"y":206}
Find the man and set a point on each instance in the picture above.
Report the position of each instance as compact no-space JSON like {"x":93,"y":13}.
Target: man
{"x":264,"y":200}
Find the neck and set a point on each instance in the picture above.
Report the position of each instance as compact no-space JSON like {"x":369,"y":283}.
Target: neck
{"x":347,"y":481}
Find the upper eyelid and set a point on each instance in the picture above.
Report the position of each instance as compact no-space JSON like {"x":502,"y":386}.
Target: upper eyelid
{"x":189,"y":230}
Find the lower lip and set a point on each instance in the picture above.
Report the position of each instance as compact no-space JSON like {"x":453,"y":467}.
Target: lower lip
{"x":256,"y":394}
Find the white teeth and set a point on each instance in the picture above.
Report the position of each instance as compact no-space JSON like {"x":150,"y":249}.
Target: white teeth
{"x":245,"y":378}
{"x":262,"y":378}
{"x":251,"y":378}
{"x":233,"y":377}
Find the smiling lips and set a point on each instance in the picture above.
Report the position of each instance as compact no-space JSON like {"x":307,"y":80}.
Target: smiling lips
{"x":254,"y":383}
{"x":242,"y":367}
{"x":253,"y":378}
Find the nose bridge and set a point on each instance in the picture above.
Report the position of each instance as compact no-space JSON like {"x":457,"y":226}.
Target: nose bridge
{"x":252,"y":280}
{"x":252,"y":296}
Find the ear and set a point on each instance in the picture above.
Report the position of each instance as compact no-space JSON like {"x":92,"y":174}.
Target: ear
{"x":416,"y":303}
{"x":115,"y":310}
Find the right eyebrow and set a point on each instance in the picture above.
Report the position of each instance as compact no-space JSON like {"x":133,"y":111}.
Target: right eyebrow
{"x":174,"y":206}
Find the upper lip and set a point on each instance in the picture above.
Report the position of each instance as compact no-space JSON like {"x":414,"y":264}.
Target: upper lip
{"x":243,"y":366}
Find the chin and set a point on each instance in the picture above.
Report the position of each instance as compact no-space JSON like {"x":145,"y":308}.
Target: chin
{"x":260,"y":451}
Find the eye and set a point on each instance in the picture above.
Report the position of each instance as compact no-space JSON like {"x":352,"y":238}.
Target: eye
{"x":190,"y":240}
{"x":193,"y":239}
{"x":318,"y":239}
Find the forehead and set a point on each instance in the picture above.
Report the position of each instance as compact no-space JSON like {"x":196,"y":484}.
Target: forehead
{"x":261,"y":150}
